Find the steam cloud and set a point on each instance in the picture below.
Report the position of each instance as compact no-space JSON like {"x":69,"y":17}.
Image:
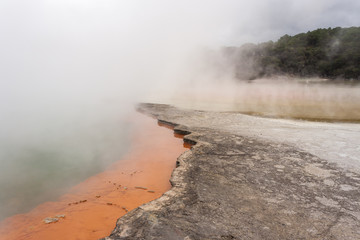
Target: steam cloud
{"x":70,"y":71}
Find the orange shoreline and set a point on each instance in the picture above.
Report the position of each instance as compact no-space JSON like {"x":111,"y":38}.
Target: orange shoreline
{"x":92,"y":207}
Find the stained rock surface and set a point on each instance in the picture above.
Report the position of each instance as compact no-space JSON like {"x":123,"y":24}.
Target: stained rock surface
{"x":234,"y":184}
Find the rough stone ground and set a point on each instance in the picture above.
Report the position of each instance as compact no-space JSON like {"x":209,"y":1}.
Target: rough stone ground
{"x":234,"y":184}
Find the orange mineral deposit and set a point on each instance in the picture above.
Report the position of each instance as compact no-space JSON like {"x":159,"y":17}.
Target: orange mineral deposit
{"x":90,"y":209}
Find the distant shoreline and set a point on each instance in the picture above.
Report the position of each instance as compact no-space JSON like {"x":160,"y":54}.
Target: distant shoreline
{"x":253,"y":178}
{"x":91,"y":208}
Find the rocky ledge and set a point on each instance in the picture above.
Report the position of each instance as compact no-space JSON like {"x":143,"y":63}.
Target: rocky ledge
{"x":232,"y":185}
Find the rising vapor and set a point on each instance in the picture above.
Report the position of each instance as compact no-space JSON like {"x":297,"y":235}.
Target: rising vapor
{"x":70,"y":72}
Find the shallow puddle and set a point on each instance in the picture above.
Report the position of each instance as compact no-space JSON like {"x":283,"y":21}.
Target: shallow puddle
{"x":91,"y":208}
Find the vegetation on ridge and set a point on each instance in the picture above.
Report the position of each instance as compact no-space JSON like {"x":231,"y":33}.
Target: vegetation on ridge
{"x":329,"y":53}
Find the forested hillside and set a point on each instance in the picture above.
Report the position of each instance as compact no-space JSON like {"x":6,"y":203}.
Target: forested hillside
{"x":329,"y":53}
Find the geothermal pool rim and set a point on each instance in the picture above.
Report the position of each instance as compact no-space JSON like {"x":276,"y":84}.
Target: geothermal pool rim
{"x":233,"y":186}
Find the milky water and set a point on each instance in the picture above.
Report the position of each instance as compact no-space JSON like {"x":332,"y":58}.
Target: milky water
{"x":317,"y":117}
{"x":69,"y":68}
{"x":41,"y":163}
{"x":43,"y":153}
{"x":311,"y":99}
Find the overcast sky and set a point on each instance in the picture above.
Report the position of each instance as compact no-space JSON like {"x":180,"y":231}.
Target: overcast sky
{"x":70,"y":70}
{"x":83,"y":51}
{"x":275,"y":18}
{"x":226,"y":21}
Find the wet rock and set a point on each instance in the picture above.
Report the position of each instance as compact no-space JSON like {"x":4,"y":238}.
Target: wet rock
{"x":55,"y":219}
{"x":234,"y":184}
{"x":50,"y":220}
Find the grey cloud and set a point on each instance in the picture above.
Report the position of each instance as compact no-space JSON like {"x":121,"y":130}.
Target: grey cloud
{"x":69,"y":65}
